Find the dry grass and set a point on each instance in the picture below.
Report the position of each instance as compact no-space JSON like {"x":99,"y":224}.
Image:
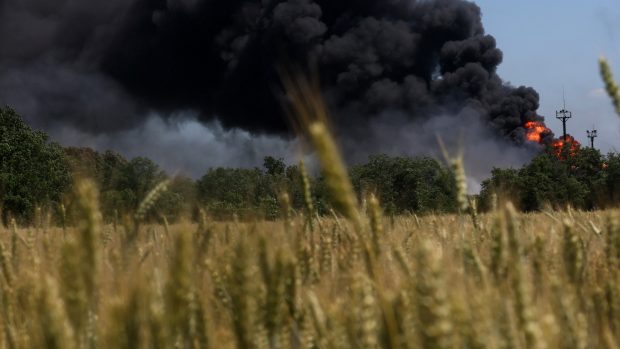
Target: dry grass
{"x":519,"y":280}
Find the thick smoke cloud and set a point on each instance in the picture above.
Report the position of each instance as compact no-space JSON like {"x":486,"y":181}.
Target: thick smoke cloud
{"x":104,"y":66}
{"x":50,"y":68}
{"x":118,"y":73}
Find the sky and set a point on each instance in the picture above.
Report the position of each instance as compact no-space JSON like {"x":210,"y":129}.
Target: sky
{"x":563,"y":39}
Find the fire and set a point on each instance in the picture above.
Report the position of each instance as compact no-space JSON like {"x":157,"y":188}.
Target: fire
{"x":535,"y":131}
{"x":562,"y":146}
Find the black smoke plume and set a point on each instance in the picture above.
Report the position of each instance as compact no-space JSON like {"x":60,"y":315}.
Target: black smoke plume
{"x":103,"y":66}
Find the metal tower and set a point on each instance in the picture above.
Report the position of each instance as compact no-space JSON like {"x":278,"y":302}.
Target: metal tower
{"x":592,"y":134}
{"x":563,"y":115}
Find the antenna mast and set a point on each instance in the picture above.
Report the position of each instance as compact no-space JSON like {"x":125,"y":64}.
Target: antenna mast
{"x":563,"y":115}
{"x":592,"y":134}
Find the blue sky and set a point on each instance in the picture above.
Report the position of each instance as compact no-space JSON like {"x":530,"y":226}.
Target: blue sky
{"x":554,"y":44}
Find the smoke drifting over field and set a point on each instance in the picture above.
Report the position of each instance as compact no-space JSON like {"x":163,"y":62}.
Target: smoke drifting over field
{"x":184,"y":145}
{"x":106,"y":67}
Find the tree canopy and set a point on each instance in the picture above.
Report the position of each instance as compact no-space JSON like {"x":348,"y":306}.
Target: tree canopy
{"x":585,"y":180}
{"x":407,"y":184}
{"x":33,"y":171}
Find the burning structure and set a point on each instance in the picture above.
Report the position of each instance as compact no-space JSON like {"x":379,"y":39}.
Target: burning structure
{"x":562,"y":147}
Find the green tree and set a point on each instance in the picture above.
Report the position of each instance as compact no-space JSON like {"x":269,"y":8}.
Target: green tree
{"x":546,"y":180}
{"x":607,"y":185}
{"x":226,"y":191}
{"x":85,"y":163}
{"x":33,"y":171}
{"x":179,"y":201}
{"x":504,"y":184}
{"x":274,"y":167}
{"x":124,"y":184}
{"x":406,"y":184}
{"x":139,"y":176}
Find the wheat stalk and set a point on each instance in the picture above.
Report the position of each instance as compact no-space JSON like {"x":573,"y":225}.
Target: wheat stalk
{"x":610,"y":84}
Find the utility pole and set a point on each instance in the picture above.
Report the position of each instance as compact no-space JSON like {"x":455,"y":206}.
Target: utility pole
{"x":592,"y":134}
{"x":563,"y":115}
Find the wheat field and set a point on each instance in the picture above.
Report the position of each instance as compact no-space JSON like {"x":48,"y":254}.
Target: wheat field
{"x":505,"y":280}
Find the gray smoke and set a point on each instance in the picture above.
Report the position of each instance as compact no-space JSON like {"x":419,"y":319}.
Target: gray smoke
{"x":462,"y":133}
{"x":98,"y":71}
{"x":183,"y":145}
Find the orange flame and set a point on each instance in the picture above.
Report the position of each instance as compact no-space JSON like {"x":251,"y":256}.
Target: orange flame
{"x":535,"y":131}
{"x":563,"y":146}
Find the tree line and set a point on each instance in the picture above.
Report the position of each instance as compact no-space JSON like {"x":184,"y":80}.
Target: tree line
{"x":36,"y":179}
{"x":584,"y":180}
